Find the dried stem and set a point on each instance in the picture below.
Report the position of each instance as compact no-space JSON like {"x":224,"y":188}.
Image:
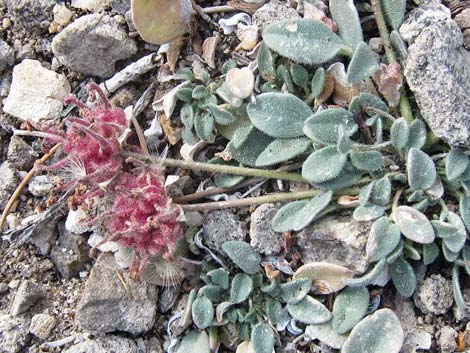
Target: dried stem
{"x":405,"y":107}
{"x":24,"y":183}
{"x":217,"y":9}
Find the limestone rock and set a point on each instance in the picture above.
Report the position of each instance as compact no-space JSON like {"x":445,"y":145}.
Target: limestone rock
{"x":13,"y":332}
{"x":92,"y":44}
{"x":20,"y":154}
{"x":8,"y":183}
{"x":26,"y":296}
{"x":448,"y":340}
{"x":105,"y":344}
{"x":273,"y":11}
{"x":36,"y":93}
{"x":40,"y":185}
{"x":438,"y":71}
{"x":42,"y":325}
{"x":107,"y":306}
{"x":337,"y":239}
{"x":33,"y":15}
{"x":434,"y":295}
{"x":219,"y":227}
{"x":263,"y":238}
{"x":7,"y":55}
{"x":45,"y":235}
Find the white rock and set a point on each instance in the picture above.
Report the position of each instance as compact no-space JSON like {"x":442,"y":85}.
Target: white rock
{"x":75,"y":220}
{"x":91,"y":5}
{"x":95,"y":239}
{"x":36,"y":93}
{"x":62,"y":15}
{"x":124,"y":256}
{"x":40,"y":185}
{"x":42,"y":325}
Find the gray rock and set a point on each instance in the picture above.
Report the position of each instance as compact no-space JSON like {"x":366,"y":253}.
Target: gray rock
{"x":7,"y":55}
{"x":107,"y":306}
{"x":219,"y":227}
{"x":8,"y":183}
{"x":33,"y":15}
{"x":463,"y":21}
{"x":272,"y":12}
{"x":14,"y":333}
{"x":40,"y":185}
{"x":448,"y":340}
{"x":263,"y":238}
{"x":105,"y":344}
{"x":75,"y":222}
{"x":70,"y":255}
{"x":337,"y":239}
{"x":168,"y":298}
{"x":434,"y":295}
{"x":120,"y":6}
{"x":26,"y":296}
{"x":3,"y":288}
{"x":44,"y":236}
{"x":438,"y":71}
{"x":42,"y":325}
{"x":36,"y":93}
{"x":20,"y":154}
{"x":92,"y":44}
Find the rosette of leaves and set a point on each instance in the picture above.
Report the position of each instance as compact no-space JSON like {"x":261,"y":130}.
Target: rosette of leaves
{"x":240,"y":296}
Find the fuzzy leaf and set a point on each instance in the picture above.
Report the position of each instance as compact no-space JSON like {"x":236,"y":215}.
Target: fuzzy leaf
{"x":368,"y":212}
{"x":383,"y":238}
{"x":323,"y":126}
{"x":195,"y":342}
{"x":265,"y":61}
{"x":281,"y":150}
{"x":283,"y":75}
{"x":224,"y":180}
{"x":213,"y":293}
{"x":312,"y":210}
{"x":221,"y":116}
{"x":369,"y":160}
{"x":219,"y":277}
{"x":327,"y":278}
{"x":449,"y":255}
{"x":456,"y":164}
{"x":273,"y":310}
{"x":417,"y":134}
{"x":242,"y":285}
{"x":243,"y":255}
{"x":299,"y":75}
{"x":421,"y":170}
{"x":414,"y":225}
{"x":286,"y":218}
{"x":204,"y":124}
{"x":279,"y":115}
{"x":304,"y":41}
{"x":262,"y":337}
{"x":403,"y":277}
{"x":369,"y":277}
{"x":158,"y":23}
{"x":464,"y":209}
{"x":187,"y":116}
{"x":381,"y":192}
{"x":345,"y":15}
{"x":399,"y":133}
{"x":349,"y":308}
{"x":430,"y":253}
{"x":309,"y":311}
{"x":221,"y":309}
{"x":323,"y":165}
{"x":346,"y":178}
{"x":365,"y":100}
{"x":344,"y":142}
{"x":294,"y":291}
{"x":363,"y":64}
{"x":456,"y":242}
{"x":254,"y":143}
{"x":394,"y":12}
{"x":202,"y":312}
{"x":318,"y":82}
{"x":325,"y":334}
{"x":380,"y":332}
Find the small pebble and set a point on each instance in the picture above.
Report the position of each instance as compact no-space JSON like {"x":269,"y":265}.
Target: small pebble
{"x":42,"y":325}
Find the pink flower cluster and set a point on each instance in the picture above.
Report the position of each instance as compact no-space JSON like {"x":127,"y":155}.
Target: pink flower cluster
{"x":140,"y":214}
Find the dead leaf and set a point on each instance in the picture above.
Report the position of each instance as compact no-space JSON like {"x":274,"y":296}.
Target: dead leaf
{"x":173,"y":53}
{"x":173,"y":134}
{"x":328,"y":88}
{"x":326,"y":277}
{"x":208,"y":50}
{"x":248,"y":36}
{"x":389,"y":81}
{"x":344,"y":91}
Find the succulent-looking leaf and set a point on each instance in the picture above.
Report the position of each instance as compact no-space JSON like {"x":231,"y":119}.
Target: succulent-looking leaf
{"x":255,"y":142}
{"x":327,"y":278}
{"x":394,"y":12}
{"x":242,"y":285}
{"x":421,"y":170}
{"x":383,"y":238}
{"x":380,"y":332}
{"x":410,"y":252}
{"x":349,"y":308}
{"x":368,"y":212}
{"x":159,"y":22}
{"x":262,"y":337}
{"x":381,"y":192}
{"x":212,"y":292}
{"x":363,"y":64}
{"x":403,"y":277}
{"x":430,"y":253}
{"x":295,"y":290}
{"x":299,"y":75}
{"x":203,"y":312}
{"x":195,"y":342}
{"x":219,"y":277}
{"x":279,"y":115}
{"x":323,"y":165}
{"x":449,"y":255}
{"x":399,"y":133}
{"x":304,"y":41}
{"x":325,"y":334}
{"x":309,"y":311}
{"x":265,"y":61}
{"x":245,"y":347}
{"x":312,"y":210}
{"x":318,"y":82}
{"x":285,"y":218}
{"x":345,"y":15}
{"x":456,"y":164}
{"x":323,"y":126}
{"x":414,"y":225}
{"x":281,"y":150}
{"x":243,"y":255}
{"x":273,"y":310}
{"x":367,"y":160}
{"x":456,"y":242}
{"x":417,"y":134}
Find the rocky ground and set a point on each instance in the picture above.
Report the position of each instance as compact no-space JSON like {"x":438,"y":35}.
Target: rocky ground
{"x":55,"y":294}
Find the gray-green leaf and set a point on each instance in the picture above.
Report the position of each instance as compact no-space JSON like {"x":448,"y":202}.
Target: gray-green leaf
{"x":294,"y":291}
{"x":421,"y":170}
{"x":318,"y":82}
{"x":414,"y":225}
{"x":394,"y":11}
{"x":202,"y":312}
{"x":323,"y":165}
{"x":281,"y":150}
{"x":383,"y":238}
{"x":195,"y":342}
{"x":345,"y":15}
{"x":312,"y":210}
{"x":399,"y":133}
{"x":363,"y":64}
{"x":367,"y":160}
{"x":304,"y":41}
{"x":403,"y":277}
{"x":323,"y":126}
{"x":279,"y":115}
{"x":286,"y":218}
{"x":349,"y":308}
{"x":204,"y":124}
{"x":309,"y":311}
{"x":456,"y":164}
{"x":242,"y":285}
{"x":262,"y":337}
{"x":243,"y":255}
